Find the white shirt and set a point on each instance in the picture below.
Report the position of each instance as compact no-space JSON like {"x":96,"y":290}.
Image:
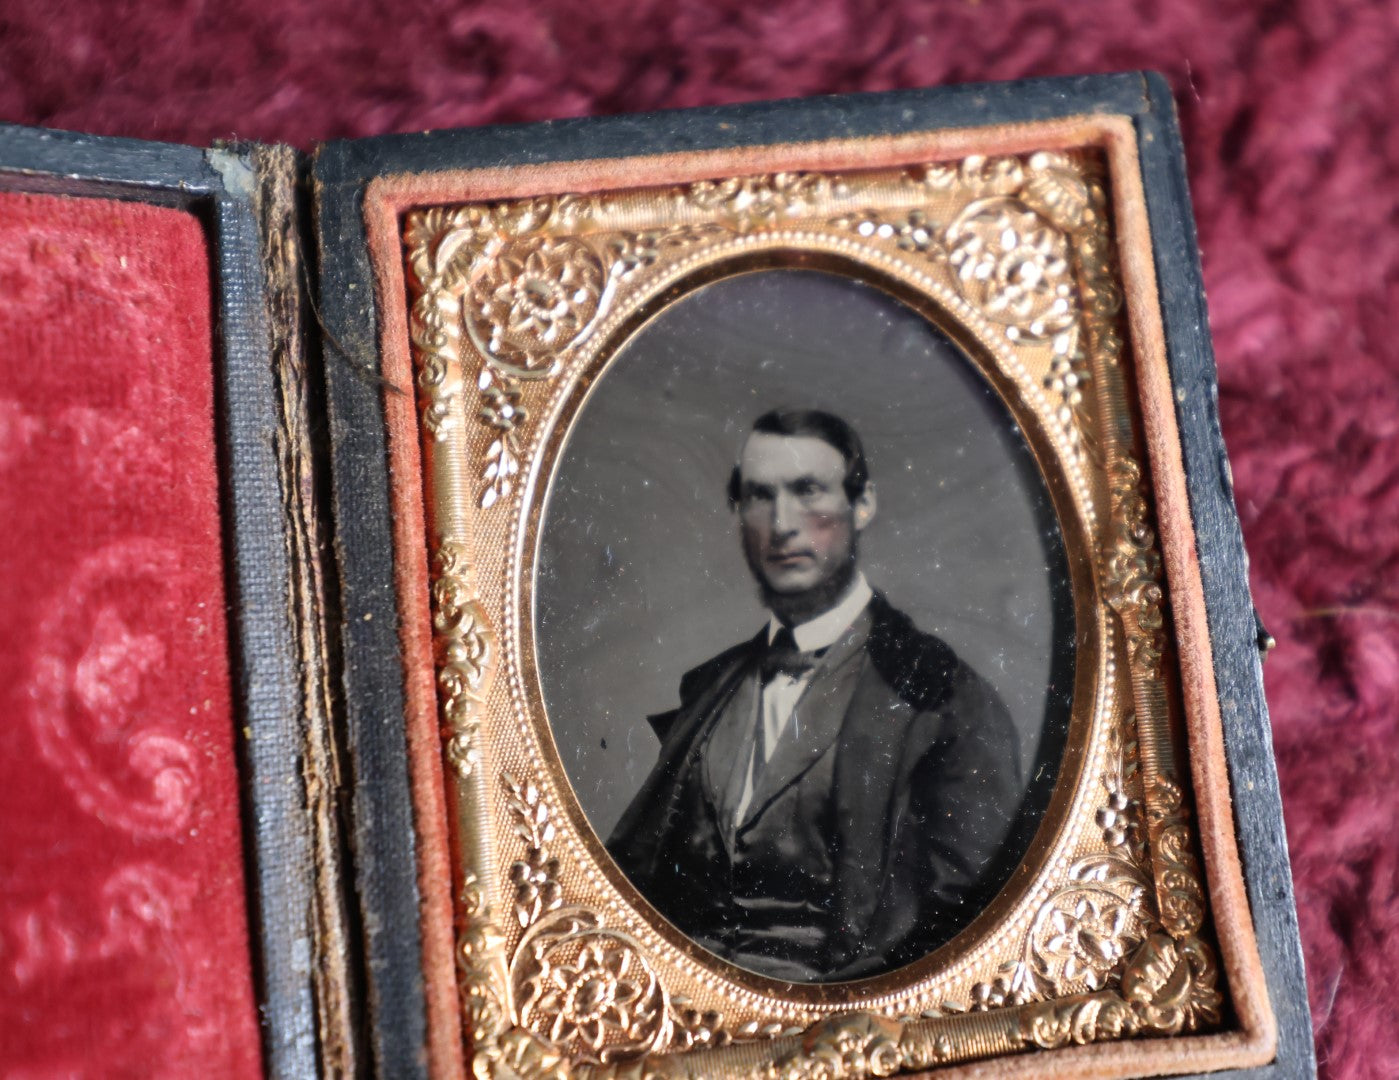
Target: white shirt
{"x":783,"y":691}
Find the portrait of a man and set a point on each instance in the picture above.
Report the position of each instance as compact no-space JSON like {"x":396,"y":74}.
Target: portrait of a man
{"x":809,"y":677}
{"x":831,"y":789}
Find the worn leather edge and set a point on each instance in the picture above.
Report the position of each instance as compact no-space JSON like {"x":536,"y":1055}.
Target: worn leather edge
{"x":1222,"y":567}
{"x":1232,"y":919}
{"x":277,"y":202}
{"x":382,"y":816}
{"x":446,"y":1054}
{"x":268,"y":694}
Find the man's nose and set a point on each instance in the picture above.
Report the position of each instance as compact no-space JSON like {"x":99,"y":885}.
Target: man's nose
{"x":786,"y":514}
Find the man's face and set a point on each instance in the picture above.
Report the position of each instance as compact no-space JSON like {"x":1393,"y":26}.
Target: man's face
{"x":798,"y":526}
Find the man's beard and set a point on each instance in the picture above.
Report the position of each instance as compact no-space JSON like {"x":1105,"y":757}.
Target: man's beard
{"x":793,"y":609}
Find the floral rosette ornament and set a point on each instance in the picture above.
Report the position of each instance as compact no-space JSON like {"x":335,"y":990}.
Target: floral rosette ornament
{"x":587,"y":990}
{"x":1090,"y":939}
{"x":535,"y":299}
{"x":1014,"y":266}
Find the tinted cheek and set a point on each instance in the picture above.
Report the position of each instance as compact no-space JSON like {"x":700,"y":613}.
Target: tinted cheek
{"x":828,"y":533}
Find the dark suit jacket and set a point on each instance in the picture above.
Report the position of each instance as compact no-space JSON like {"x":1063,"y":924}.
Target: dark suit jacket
{"x":874,"y":832}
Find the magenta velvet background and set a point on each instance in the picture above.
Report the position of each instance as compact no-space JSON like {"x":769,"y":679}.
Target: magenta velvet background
{"x":1287,"y":109}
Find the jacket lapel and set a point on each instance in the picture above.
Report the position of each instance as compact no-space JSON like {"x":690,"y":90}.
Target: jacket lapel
{"x":728,"y":748}
{"x":816,"y":718}
{"x":658,"y":807}
{"x":908,"y":675}
{"x":868,"y":760}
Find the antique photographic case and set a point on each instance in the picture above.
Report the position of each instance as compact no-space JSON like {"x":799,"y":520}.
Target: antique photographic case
{"x":602,"y":410}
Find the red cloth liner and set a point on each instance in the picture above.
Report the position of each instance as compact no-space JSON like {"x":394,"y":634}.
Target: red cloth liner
{"x":1288,"y":112}
{"x":123,"y":922}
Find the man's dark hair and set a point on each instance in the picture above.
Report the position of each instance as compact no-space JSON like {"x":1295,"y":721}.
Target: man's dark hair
{"x":815,"y":424}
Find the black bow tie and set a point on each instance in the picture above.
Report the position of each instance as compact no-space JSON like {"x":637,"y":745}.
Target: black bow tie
{"x":782,"y":657}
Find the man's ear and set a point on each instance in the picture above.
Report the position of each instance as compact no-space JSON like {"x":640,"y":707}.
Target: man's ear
{"x":865,"y":505}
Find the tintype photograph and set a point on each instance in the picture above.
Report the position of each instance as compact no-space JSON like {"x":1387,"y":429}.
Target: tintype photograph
{"x":822,"y":653}
{"x":804,"y":626}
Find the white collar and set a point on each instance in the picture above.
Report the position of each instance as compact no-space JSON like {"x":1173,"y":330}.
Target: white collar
{"x":825,"y":630}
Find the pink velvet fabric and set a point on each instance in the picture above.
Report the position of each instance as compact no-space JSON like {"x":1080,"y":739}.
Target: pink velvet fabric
{"x":1288,"y":115}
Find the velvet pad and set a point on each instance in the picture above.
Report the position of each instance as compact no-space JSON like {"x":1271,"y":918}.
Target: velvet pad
{"x":123,"y":919}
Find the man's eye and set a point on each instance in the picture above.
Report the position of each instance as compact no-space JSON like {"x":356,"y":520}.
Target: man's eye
{"x":807,"y":488}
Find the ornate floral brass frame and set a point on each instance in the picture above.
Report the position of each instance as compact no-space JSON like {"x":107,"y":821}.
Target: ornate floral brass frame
{"x":515,"y":303}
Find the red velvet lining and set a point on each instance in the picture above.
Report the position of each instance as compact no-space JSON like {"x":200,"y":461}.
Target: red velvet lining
{"x":123,"y":923}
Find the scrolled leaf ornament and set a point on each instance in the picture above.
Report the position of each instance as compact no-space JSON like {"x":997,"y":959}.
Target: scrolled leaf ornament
{"x":850,"y":1047}
{"x":1134,"y":570}
{"x":1172,"y":985}
{"x":976,"y":174}
{"x":1168,"y":987}
{"x":1057,"y":191}
{"x":1182,"y":896}
{"x":479,"y":946}
{"x":1081,"y":1020}
{"x":751,"y":202}
{"x":465,"y":646}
